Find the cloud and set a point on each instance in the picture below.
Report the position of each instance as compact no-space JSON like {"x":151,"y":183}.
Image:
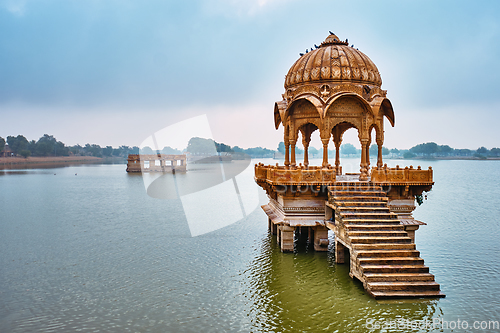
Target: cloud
{"x":17,"y":8}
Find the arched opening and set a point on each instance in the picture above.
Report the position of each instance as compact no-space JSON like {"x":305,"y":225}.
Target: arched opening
{"x":302,"y":116}
{"x":337,"y":134}
{"x":306,"y":130}
{"x":349,"y":111}
{"x":388,"y":111}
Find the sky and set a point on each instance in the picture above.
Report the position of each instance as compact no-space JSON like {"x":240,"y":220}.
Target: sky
{"x":113,"y":72}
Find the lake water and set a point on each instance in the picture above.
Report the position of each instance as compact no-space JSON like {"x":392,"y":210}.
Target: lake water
{"x":93,"y":252}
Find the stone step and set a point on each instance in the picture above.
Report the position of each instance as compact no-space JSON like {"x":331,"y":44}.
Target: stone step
{"x":349,"y":186}
{"x":368,"y":227}
{"x":384,"y":246}
{"x":354,"y":194}
{"x":380,"y":221}
{"x":360,"y":198}
{"x":391,"y":261}
{"x":360,"y":204}
{"x":387,"y":253}
{"x":377,"y":233}
{"x":363,"y":209}
{"x":366,"y":215}
{"x":394,"y":269}
{"x":379,"y":240}
{"x":406,"y":294}
{"x":388,"y":277}
{"x":404,"y":285}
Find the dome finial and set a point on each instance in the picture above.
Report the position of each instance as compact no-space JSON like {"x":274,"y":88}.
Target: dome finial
{"x":332,"y":39}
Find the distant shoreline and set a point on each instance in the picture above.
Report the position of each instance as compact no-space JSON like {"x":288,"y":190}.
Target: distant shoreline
{"x":51,"y":162}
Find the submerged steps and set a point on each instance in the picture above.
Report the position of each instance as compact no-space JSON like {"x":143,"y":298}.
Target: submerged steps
{"x":384,"y":256}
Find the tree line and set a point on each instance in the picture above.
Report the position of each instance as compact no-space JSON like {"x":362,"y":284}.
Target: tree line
{"x":47,"y":145}
{"x":429,"y":150}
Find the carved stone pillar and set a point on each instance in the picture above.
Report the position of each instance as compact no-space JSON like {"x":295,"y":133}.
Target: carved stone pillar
{"x":320,"y":238}
{"x":363,"y":164}
{"x":379,"y":157}
{"x":325,"y":152}
{"x":286,"y":239}
{"x":293,"y":163}
{"x":306,"y":154}
{"x":337,"y":157}
{"x":367,"y":167}
{"x":306,"y":139}
{"x":287,"y":154}
{"x":339,"y":252}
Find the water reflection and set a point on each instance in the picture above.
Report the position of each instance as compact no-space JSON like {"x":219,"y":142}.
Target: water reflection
{"x":307,"y":291}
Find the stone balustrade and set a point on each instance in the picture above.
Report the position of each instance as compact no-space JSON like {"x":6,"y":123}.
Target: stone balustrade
{"x":404,"y":176}
{"x":280,"y":175}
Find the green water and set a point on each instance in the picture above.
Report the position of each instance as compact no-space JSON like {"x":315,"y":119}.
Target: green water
{"x":93,"y":252}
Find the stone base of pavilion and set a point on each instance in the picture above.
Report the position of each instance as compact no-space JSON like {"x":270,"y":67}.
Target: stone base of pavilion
{"x":299,"y":196}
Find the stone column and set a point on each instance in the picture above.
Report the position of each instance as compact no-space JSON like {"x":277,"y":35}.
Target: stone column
{"x":293,"y":163}
{"x":337,"y":157}
{"x":339,"y":252}
{"x":367,"y":167}
{"x":306,"y":139}
{"x":287,"y":154}
{"x":286,"y":239}
{"x":379,"y":157}
{"x":325,"y":152}
{"x":363,"y":165}
{"x":320,"y":238}
{"x":306,"y":154}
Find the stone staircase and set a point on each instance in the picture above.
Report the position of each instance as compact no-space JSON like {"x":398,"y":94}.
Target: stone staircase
{"x":383,"y":256}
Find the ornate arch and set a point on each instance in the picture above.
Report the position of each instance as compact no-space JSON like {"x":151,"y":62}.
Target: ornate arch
{"x":367,"y":107}
{"x":382,"y":107}
{"x":313,"y":100}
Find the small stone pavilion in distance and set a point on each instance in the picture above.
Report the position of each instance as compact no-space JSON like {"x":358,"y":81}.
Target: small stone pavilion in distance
{"x":329,"y":90}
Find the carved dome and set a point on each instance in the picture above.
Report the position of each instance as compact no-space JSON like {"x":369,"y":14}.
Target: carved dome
{"x":334,"y":61}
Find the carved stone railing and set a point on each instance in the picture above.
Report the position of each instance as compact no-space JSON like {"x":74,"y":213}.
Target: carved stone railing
{"x":397,"y":175}
{"x":275,"y":175}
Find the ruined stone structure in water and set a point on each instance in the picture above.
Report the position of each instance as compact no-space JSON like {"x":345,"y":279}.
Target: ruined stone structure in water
{"x":328,"y":91}
{"x":156,"y":163}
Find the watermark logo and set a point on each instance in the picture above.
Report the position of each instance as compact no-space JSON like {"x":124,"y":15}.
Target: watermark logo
{"x":216,"y":188}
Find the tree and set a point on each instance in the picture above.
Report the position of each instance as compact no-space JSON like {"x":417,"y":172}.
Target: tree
{"x":201,"y":146}
{"x":313,"y":151}
{"x":147,"y":151}
{"x":445,"y":150}
{"x":223,"y":148}
{"x":482,"y":151}
{"x":408,"y":154}
{"x":25,"y":153}
{"x":237,"y":149}
{"x":348,"y":149}
{"x":18,"y":143}
{"x":76,"y":149}
{"x":93,"y":150}
{"x":46,"y":145}
{"x":2,"y":144}
{"x":281,"y":147}
{"x":259,"y":152}
{"x":495,"y":152}
{"x":394,"y":151}
{"x":385,"y":151}
{"x":425,"y":148}
{"x":373,"y":150}
{"x":108,"y":151}
{"x":170,"y":151}
{"x":463,"y":152}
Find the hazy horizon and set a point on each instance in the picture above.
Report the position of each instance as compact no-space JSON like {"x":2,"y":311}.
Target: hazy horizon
{"x":113,"y":73}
